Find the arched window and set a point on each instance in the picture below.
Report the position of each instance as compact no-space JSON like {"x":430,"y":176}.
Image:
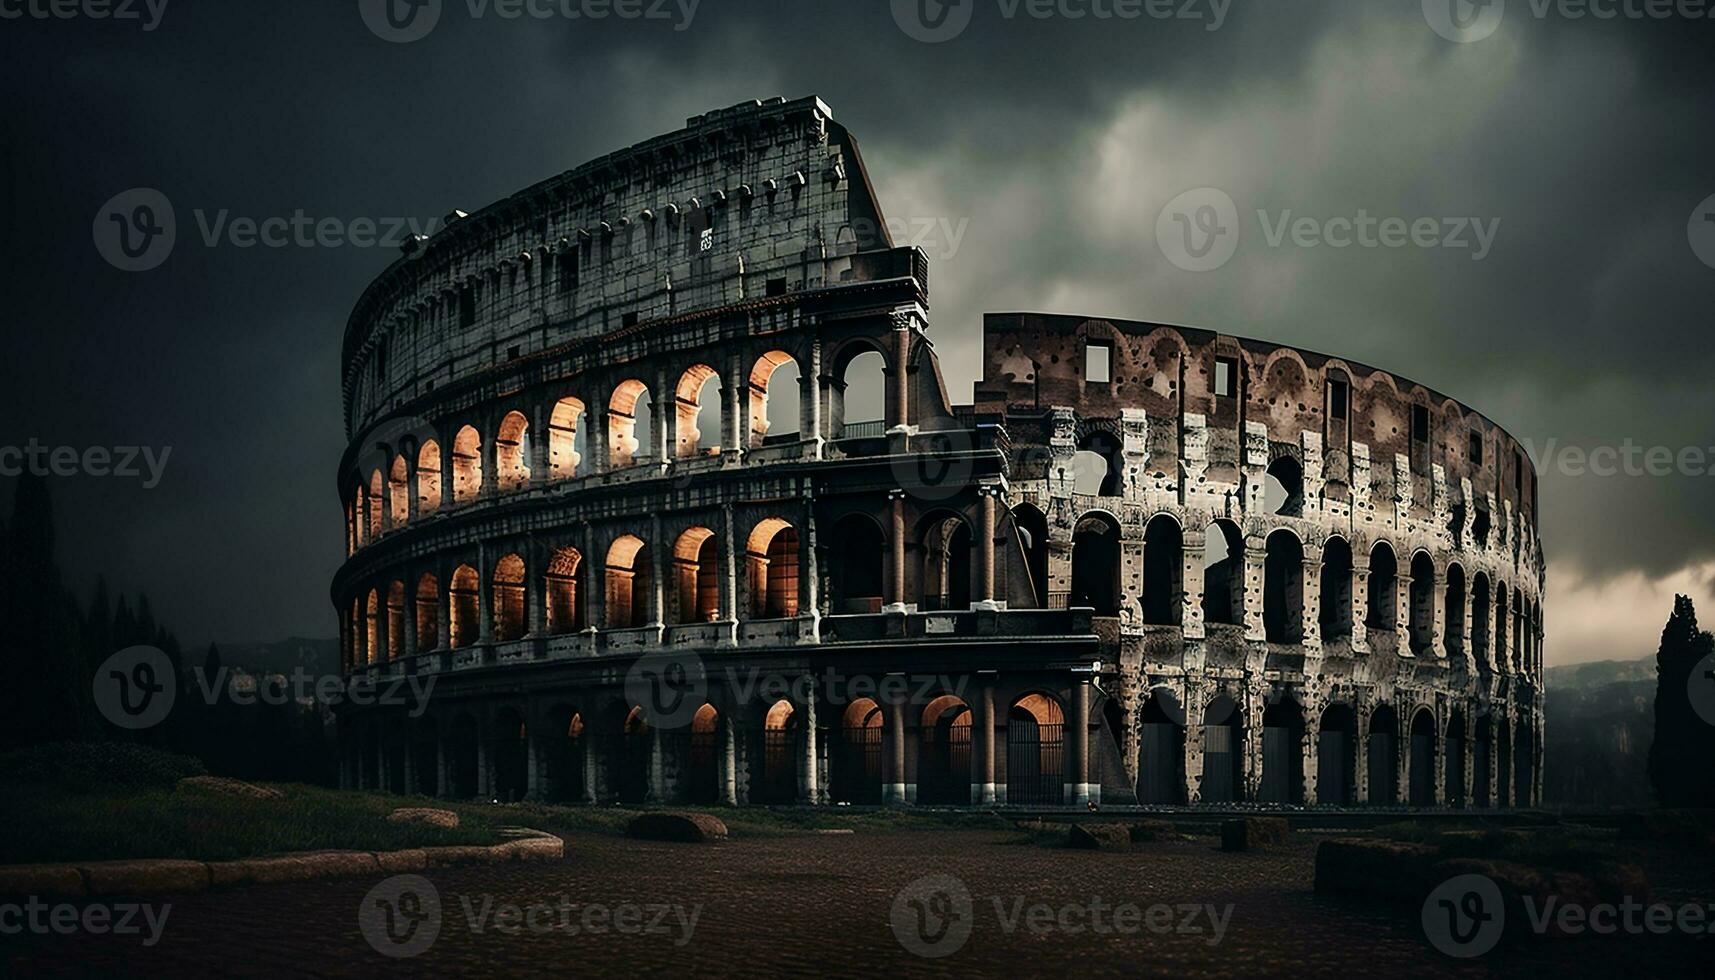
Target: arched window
{"x":1502,"y":662}
{"x":1032,"y":529}
{"x":771,"y":560}
{"x":511,"y":754}
{"x":1223,"y":574}
{"x":396,"y":620}
{"x":702,"y":757}
{"x":1283,"y":588}
{"x":428,"y":612}
{"x":946,"y":545}
{"x":466,"y":604}
{"x":565,"y":612}
{"x":856,"y":556}
{"x":1422,"y":602}
{"x":1335,"y":615}
{"x":774,"y":401}
{"x":1035,"y":751}
{"x":512,"y":452}
{"x":1454,"y":610}
{"x":1282,"y":756}
{"x":1283,"y":488}
{"x":429,"y":478}
{"x":697,"y":412}
{"x":1480,"y":611}
{"x":629,"y":583}
{"x":1163,"y":571}
{"x":696,"y":576}
{"x":509,"y":612}
{"x":1099,"y":467}
{"x":629,"y":433}
{"x":1096,"y":564}
{"x":467,"y":464}
{"x":857,"y":400}
{"x":1223,"y":751}
{"x":1161,"y":749}
{"x":567,"y":442}
{"x":1421,"y":791}
{"x":399,"y":491}
{"x":1336,"y":757}
{"x":1383,"y":589}
{"x":777,"y":782}
{"x":857,"y":754}
{"x":1383,"y":753}
{"x":944,"y":753}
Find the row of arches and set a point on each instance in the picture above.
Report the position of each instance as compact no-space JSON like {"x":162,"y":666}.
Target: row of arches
{"x":393,"y":620}
{"x":699,"y":418}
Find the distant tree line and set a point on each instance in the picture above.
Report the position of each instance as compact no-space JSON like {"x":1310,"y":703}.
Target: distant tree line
{"x":51,"y":647}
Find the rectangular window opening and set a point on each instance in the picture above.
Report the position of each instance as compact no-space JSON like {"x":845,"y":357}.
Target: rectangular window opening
{"x":1419,"y":423}
{"x":1226,"y":377}
{"x":1339,"y":397}
{"x":1098,"y":363}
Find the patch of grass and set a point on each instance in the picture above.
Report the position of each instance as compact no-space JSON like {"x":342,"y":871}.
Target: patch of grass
{"x":750,"y":822}
{"x":97,"y":766}
{"x":50,"y":823}
{"x":1559,"y":848}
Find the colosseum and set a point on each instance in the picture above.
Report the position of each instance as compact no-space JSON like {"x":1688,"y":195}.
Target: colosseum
{"x":652,"y":471}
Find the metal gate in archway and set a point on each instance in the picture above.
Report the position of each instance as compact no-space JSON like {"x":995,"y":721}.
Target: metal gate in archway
{"x":1035,"y":763}
{"x":944,"y":765}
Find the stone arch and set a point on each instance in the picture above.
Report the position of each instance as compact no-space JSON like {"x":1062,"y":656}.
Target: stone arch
{"x":772,"y":416}
{"x":1337,"y":756}
{"x":696,"y":576}
{"x":857,"y":564}
{"x":464,"y":603}
{"x":1282,"y":754}
{"x":1035,"y":750}
{"x":1098,"y":467}
{"x":1481,"y":608}
{"x":463,"y":752}
{"x":629,"y":433}
{"x":510,"y":614}
{"x":1161,"y":749}
{"x":1383,"y":752}
{"x":1335,"y":614}
{"x":1283,"y":588}
{"x":510,"y":752}
{"x":700,"y":779}
{"x":944,"y":752}
{"x":1031,"y":526}
{"x":1223,"y":751}
{"x":1224,"y":573}
{"x":857,"y":752}
{"x":857,"y":398}
{"x":564,"y":588}
{"x":1383,"y":589}
{"x":1096,"y":563}
{"x":399,"y":491}
{"x":945,"y":539}
{"x":396,"y":620}
{"x":1453,"y":777}
{"x":1421,"y":791}
{"x":1453,"y":610}
{"x":512,"y":452}
{"x":776,"y":779}
{"x":1422,"y":612}
{"x":429,"y":477}
{"x":629,"y":583}
{"x":771,"y":567}
{"x":691,"y":401}
{"x":630,"y":765}
{"x":563,"y":755}
{"x":567,"y":442}
{"x":1163,"y":571}
{"x":467,"y":464}
{"x":1283,"y":487}
{"x":428,"y":624}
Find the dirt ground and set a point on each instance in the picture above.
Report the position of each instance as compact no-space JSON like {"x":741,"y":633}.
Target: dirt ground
{"x":831,"y":905}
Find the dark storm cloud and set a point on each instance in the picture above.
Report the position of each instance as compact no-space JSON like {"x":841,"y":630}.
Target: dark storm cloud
{"x":1055,"y":141}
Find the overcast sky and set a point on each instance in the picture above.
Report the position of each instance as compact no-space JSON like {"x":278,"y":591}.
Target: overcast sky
{"x":1031,"y":156}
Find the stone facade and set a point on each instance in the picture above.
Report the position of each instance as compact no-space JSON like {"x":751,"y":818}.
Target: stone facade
{"x":1146,"y":564}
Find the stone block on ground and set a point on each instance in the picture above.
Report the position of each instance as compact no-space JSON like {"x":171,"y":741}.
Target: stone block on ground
{"x":151,"y":877}
{"x":1099,"y":837}
{"x":1393,"y":871}
{"x":222,"y":786}
{"x":689,"y":828}
{"x":432,"y":816}
{"x":1253,"y":833}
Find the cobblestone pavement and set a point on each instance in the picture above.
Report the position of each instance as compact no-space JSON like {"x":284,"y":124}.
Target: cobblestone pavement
{"x":825,"y":905}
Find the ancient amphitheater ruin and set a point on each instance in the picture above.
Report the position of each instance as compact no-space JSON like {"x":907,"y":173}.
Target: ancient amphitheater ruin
{"x":603,"y":484}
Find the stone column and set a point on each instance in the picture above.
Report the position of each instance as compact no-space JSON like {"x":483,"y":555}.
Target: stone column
{"x":657,"y":768}
{"x":536,"y":588}
{"x":728,"y":762}
{"x":1253,"y":569}
{"x":539,"y":436}
{"x":592,"y":786}
{"x":413,"y":503}
{"x":448,"y":497}
{"x":1360,"y":603}
{"x":809,"y":568}
{"x":484,"y":597}
{"x":1191,"y":580}
{"x":735,"y":416}
{"x":408,"y":644}
{"x":1438,"y":614}
{"x":1402,"y":608}
{"x":532,"y":765}
{"x":809,"y":785}
{"x":896,"y":551}
{"x":1311,"y":760}
{"x":810,"y":401}
{"x":894,"y":790}
{"x":1310,"y":592}
{"x":1083,"y":792}
{"x":986,"y":547}
{"x":490,"y":456}
{"x":1361,"y":754}
{"x":988,"y":734}
{"x":899,"y":393}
